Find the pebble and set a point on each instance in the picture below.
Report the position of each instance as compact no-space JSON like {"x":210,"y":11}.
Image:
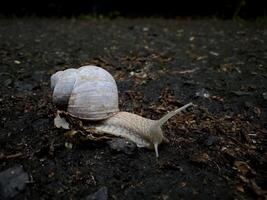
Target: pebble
{"x":17,"y":62}
{"x":122,"y":145}
{"x":145,"y":29}
{"x":39,"y":75}
{"x":211,"y":140}
{"x":214,"y":53}
{"x":264,"y":95}
{"x":8,"y":82}
{"x":23,"y":86}
{"x":12,"y":182}
{"x":202,"y":93}
{"x":40,"y":125}
{"x":101,"y":194}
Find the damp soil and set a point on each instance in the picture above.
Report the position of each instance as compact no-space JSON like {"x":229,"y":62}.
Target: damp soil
{"x":217,"y":150}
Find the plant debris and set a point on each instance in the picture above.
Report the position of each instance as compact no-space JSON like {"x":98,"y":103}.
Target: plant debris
{"x":12,"y":181}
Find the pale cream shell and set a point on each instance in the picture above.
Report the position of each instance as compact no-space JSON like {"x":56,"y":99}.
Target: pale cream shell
{"x":63,"y":83}
{"x":89,"y":92}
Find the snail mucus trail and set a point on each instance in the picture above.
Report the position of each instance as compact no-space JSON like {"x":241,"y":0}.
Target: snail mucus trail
{"x":90,"y":95}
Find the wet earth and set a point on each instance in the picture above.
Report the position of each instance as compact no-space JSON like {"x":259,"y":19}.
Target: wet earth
{"x":217,"y":150}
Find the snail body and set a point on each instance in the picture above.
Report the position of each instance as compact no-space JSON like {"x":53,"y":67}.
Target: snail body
{"x":90,"y":93}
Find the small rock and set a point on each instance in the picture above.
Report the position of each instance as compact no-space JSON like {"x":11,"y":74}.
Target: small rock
{"x":17,"y":62}
{"x":120,"y":144}
{"x":145,"y":29}
{"x":191,"y":38}
{"x":101,"y":194}
{"x":12,"y":182}
{"x":247,"y":105}
{"x":202,"y":93}
{"x":132,"y":73}
{"x":264,"y":95}
{"x":8,"y":82}
{"x":214,"y":53}
{"x":38,"y":75}
{"x":68,"y":145}
{"x":23,"y":86}
{"x":211,"y":140}
{"x":240,"y":93}
{"x":41,"y":125}
{"x":189,"y":82}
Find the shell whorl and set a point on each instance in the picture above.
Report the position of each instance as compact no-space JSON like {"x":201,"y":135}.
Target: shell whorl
{"x":89,"y":92}
{"x":62,"y":83}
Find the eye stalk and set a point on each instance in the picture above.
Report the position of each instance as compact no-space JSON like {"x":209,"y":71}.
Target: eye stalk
{"x":169,"y":115}
{"x":156,"y":131}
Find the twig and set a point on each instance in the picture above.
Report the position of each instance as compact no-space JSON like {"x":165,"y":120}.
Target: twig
{"x":16,"y":155}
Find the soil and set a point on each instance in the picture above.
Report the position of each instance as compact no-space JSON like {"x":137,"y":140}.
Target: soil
{"x":217,"y":150}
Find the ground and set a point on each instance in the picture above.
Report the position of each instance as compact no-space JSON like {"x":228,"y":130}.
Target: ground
{"x":217,"y":149}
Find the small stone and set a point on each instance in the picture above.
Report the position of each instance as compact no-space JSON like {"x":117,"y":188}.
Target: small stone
{"x":17,"y":62}
{"x":8,"y":82}
{"x":240,"y":93}
{"x":202,"y":93}
{"x":192,"y":38}
{"x":145,"y":29}
{"x":122,"y":145}
{"x":132,"y":73}
{"x":68,"y":145}
{"x":247,"y":105}
{"x":264,"y":95}
{"x":12,"y":182}
{"x":101,"y":194}
{"x":41,"y":125}
{"x":211,"y":140}
{"x":214,"y":53}
{"x":23,"y":86}
{"x":39,"y":75}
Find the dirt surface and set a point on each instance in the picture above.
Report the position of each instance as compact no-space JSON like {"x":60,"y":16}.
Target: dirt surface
{"x":217,"y":150}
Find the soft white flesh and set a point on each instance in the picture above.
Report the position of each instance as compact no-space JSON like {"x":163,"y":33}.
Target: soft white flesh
{"x":142,"y":131}
{"x":128,"y":125}
{"x":138,"y":129}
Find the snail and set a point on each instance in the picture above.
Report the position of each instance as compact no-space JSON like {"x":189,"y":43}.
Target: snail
{"x":90,"y":94}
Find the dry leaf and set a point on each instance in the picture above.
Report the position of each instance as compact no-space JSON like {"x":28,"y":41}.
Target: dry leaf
{"x":242,"y":167}
{"x":60,"y":122}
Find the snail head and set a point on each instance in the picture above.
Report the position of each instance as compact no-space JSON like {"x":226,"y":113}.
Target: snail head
{"x":156,"y":129}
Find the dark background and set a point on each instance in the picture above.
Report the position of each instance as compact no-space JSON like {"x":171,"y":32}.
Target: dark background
{"x":137,"y":8}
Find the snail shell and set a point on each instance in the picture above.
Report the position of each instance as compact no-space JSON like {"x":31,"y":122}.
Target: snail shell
{"x":89,"y":92}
